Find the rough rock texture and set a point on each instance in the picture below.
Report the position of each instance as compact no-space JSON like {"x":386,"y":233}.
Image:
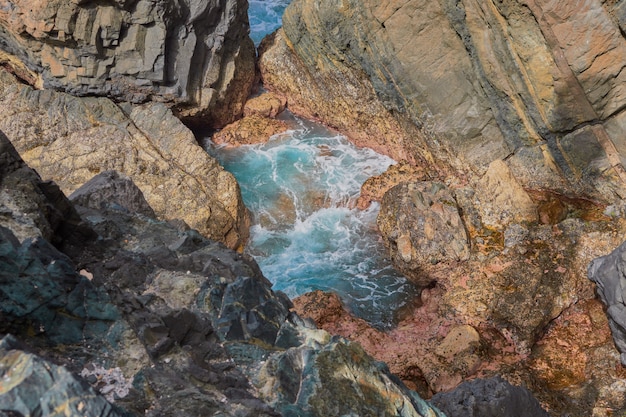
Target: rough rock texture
{"x":69,"y":140}
{"x":421,"y":224}
{"x":108,"y":188}
{"x":524,"y":291}
{"x":374,"y":188}
{"x":608,"y":273}
{"x":249,"y":130}
{"x":489,"y":398}
{"x":538,"y":84}
{"x":265,"y":104}
{"x":165,"y":322}
{"x":34,"y":386}
{"x":196,"y":55}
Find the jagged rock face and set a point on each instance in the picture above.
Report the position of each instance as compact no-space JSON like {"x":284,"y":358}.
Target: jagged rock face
{"x":165,"y":322}
{"x":40,"y":387}
{"x":195,"y":54}
{"x":69,"y":139}
{"x":421,"y":224}
{"x":537,"y":83}
{"x":608,"y":273}
{"x":489,"y":398}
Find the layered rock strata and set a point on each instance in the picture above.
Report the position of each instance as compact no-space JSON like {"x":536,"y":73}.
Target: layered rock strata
{"x":536,"y":84}
{"x":194,"y":55}
{"x":70,"y":139}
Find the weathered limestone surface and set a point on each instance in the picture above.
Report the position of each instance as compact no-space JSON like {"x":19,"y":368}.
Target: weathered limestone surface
{"x":538,"y":84}
{"x":195,"y":55}
{"x":69,"y":139}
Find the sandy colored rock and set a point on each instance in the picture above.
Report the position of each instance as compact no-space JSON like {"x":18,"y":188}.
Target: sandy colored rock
{"x":375,"y":187}
{"x":249,"y":130}
{"x":265,"y":105}
{"x":421,"y":225}
{"x":486,"y":81}
{"x":69,"y":140}
{"x":502,"y":200}
{"x":458,"y":340}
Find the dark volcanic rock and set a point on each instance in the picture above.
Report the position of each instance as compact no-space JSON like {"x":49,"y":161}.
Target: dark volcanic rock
{"x":196,"y":55}
{"x":39,"y":387}
{"x":493,"y":397}
{"x":110,"y":187}
{"x":165,"y":322}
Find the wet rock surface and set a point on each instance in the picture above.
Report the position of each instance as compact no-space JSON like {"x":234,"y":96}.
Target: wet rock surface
{"x":194,"y":55}
{"x":162,"y":321}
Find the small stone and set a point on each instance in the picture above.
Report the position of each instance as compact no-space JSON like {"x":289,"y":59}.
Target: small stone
{"x":459,"y":339}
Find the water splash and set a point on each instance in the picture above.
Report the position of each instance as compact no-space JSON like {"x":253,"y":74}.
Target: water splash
{"x":302,"y":187}
{"x":265,"y":17}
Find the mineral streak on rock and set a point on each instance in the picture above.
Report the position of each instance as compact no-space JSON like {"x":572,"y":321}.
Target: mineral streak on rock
{"x":194,"y":54}
{"x":537,"y":84}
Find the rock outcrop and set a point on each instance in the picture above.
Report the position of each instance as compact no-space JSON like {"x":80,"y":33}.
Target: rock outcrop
{"x":194,"y":55}
{"x":70,"y":139}
{"x":489,"y":398}
{"x":421,"y":224}
{"x":536,"y":84}
{"x":161,"y":321}
{"x":608,"y":272}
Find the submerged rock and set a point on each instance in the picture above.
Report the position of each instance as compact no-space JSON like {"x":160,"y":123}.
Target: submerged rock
{"x":195,"y":55}
{"x":69,"y":140}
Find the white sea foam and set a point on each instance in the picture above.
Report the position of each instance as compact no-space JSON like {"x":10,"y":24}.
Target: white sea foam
{"x":307,"y":235}
{"x":265,"y":17}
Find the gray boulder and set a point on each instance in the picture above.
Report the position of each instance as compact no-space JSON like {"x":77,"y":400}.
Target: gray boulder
{"x":111,"y":187}
{"x":492,"y":397}
{"x":609,"y":273}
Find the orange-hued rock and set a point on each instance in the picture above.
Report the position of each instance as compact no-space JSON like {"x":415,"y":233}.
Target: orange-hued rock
{"x":265,"y":105}
{"x":375,"y":187}
{"x":536,"y":84}
{"x":249,"y":130}
{"x":527,"y":313}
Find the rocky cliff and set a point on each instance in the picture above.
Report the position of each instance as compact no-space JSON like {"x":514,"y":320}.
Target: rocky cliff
{"x":460,"y":84}
{"x":139,"y":317}
{"x":194,"y":55}
{"x":509,"y":119}
{"x":70,"y":139}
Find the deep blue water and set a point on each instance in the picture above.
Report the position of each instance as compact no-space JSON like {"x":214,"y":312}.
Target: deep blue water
{"x":301,"y":188}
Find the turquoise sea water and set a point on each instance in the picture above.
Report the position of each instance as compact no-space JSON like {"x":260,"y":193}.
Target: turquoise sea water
{"x":265,"y":17}
{"x":301,"y":188}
